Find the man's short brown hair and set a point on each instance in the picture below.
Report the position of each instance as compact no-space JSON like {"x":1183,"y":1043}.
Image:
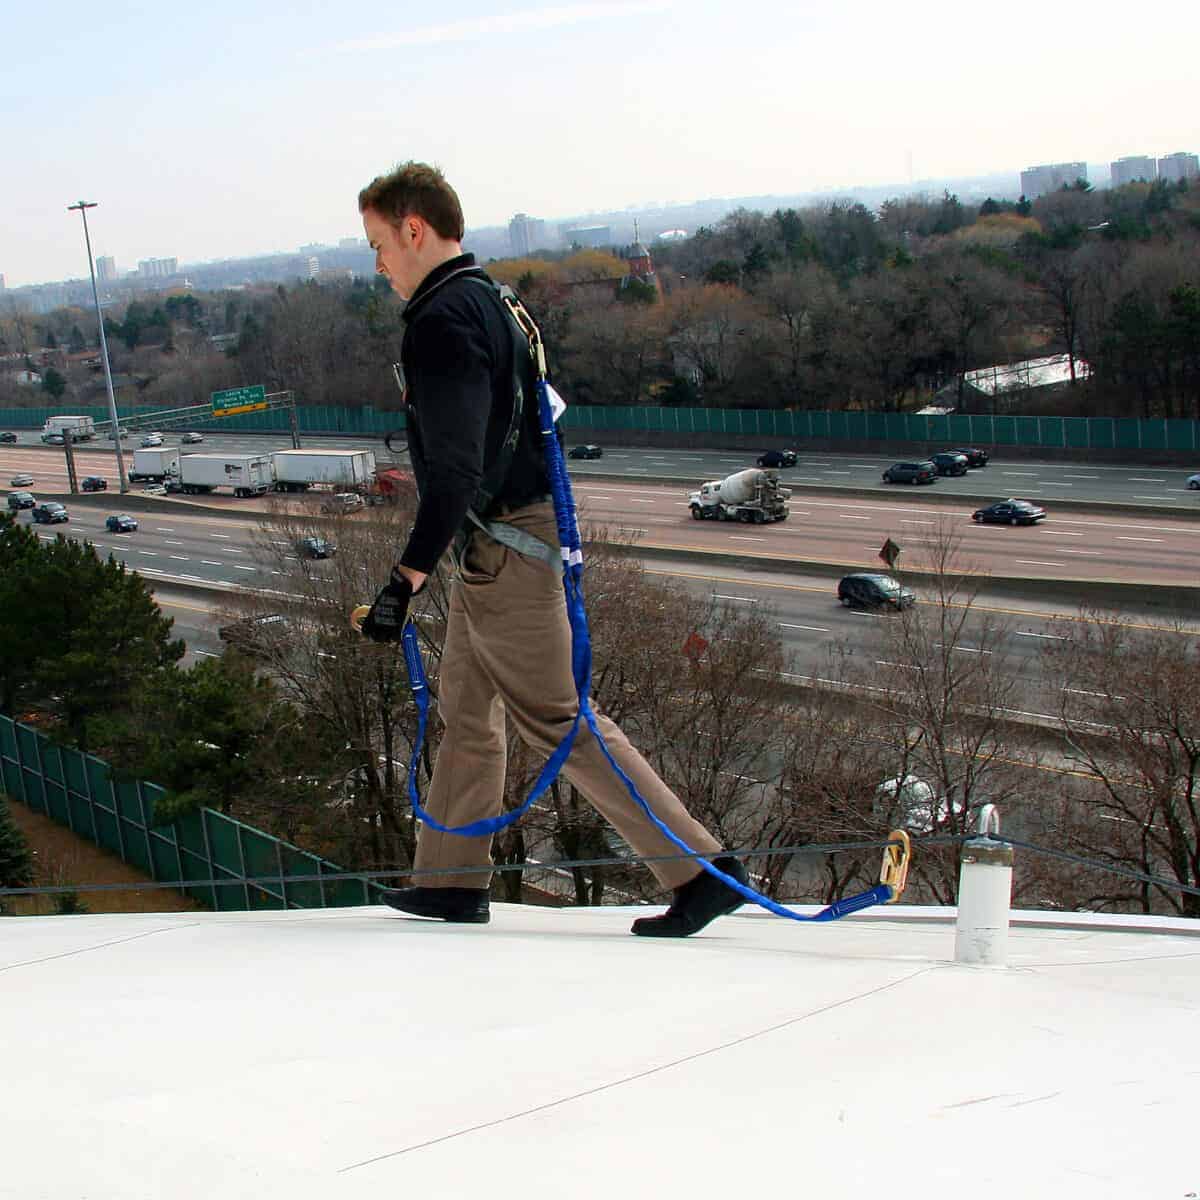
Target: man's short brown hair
{"x":415,"y":189}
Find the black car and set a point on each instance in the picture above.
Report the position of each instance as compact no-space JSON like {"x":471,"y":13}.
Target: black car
{"x":911,"y":472}
{"x":93,"y":483}
{"x":777,"y":458}
{"x":49,"y":512}
{"x":315,"y":547}
{"x":869,"y":590}
{"x":585,"y":452}
{"x":20,"y":500}
{"x":120,"y":523}
{"x":1010,"y":512}
{"x":974,"y":456}
{"x":950,"y":462}
{"x":8,"y":437}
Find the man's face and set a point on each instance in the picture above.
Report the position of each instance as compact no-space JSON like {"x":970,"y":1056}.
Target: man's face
{"x":397,"y":251}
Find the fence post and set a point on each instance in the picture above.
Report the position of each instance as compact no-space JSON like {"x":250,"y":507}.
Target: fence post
{"x":984,"y":893}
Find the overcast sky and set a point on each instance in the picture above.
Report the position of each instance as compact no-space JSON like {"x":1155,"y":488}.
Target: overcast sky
{"x":234,"y":127}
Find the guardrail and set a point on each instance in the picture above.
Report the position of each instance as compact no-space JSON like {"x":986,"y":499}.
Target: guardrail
{"x":987,"y":429}
{"x":116,"y":812}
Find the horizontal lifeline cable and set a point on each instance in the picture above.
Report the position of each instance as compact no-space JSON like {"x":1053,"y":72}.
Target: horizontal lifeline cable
{"x":433,"y":872}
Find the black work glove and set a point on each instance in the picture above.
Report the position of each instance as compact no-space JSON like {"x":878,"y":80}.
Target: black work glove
{"x":385,"y":621}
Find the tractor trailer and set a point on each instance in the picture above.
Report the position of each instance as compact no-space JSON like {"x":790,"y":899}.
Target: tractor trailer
{"x":246,"y":474}
{"x":754,"y":496}
{"x":78,"y":429}
{"x":343,"y":470}
{"x":154,"y":465}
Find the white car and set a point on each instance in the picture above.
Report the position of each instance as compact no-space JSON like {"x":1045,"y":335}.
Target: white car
{"x":152,"y":439}
{"x":154,"y":489}
{"x":192,"y":439}
{"x":1194,"y":482}
{"x":21,"y":481}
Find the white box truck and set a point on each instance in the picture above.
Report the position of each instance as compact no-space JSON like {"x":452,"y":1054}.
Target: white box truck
{"x":246,"y":474}
{"x":79,"y":429}
{"x":158,"y":464}
{"x":298,"y":470}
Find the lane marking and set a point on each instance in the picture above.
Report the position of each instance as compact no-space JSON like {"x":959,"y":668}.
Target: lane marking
{"x":743,"y":599}
{"x":812,"y":628}
{"x":1036,"y":562}
{"x":1050,"y":637}
{"x":180,"y":558}
{"x":1125,"y":537}
{"x":226,"y":536}
{"x":1143,"y":479}
{"x":740,"y":537}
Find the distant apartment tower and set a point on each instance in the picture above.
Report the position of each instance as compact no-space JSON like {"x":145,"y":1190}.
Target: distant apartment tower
{"x":106,"y":268}
{"x":1,"y":283}
{"x":313,"y":264}
{"x":1179,"y":166}
{"x":158,"y":268}
{"x":591,"y":237}
{"x":526,"y":234}
{"x":1132,"y":168}
{"x":1051,"y":177}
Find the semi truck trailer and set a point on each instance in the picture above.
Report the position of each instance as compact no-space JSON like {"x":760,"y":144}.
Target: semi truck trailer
{"x":342,"y":470}
{"x":246,"y":474}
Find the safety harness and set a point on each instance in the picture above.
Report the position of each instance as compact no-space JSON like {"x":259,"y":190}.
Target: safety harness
{"x":527,"y":341}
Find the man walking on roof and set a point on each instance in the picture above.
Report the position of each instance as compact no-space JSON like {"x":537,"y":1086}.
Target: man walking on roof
{"x":507,"y":648}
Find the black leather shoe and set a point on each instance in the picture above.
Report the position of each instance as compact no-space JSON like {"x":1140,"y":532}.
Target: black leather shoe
{"x":696,"y":903}
{"x":463,"y":906}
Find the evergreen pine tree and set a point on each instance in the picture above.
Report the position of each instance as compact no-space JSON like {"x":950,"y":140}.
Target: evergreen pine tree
{"x":16,"y":862}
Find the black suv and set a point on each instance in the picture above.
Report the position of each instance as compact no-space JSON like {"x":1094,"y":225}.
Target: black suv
{"x":974,"y":456}
{"x":777,"y":458}
{"x":869,"y":590}
{"x":93,"y":483}
{"x":950,"y":462}
{"x":8,"y":437}
{"x":911,"y":472}
{"x":49,"y":512}
{"x":315,"y":547}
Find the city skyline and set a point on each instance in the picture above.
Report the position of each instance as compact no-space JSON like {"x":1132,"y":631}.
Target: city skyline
{"x":229,"y":132}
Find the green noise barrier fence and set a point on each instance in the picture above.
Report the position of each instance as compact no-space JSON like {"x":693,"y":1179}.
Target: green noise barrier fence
{"x":987,"y":429}
{"x":87,"y":795}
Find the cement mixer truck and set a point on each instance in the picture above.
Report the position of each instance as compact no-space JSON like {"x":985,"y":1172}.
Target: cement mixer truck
{"x":753,"y":496}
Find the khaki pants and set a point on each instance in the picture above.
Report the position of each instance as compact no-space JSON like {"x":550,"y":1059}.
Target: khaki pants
{"x":508,"y":650}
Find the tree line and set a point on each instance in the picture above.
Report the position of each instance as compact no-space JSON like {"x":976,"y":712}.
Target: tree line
{"x":305,"y":730}
{"x":836,"y":307}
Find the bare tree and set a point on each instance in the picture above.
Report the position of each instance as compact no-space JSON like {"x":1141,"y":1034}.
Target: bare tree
{"x":1130,"y":711}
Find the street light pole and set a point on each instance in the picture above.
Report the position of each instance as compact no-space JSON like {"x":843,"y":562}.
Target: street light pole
{"x":83,"y":206}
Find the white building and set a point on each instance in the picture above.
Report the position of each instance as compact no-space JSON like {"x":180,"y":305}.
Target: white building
{"x":1179,"y":166}
{"x":1132,"y":168}
{"x":1050,"y":177}
{"x":526,"y":234}
{"x":106,"y":268}
{"x":158,"y":268}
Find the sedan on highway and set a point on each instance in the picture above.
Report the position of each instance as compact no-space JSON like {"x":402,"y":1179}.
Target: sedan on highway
{"x":585,"y":452}
{"x":20,"y":500}
{"x":152,"y":439}
{"x":911,"y":472}
{"x":153,"y":489}
{"x":777,"y":458}
{"x":94,"y":483}
{"x":1010,"y":512}
{"x":315,"y":547}
{"x":8,"y":437}
{"x":974,"y":456}
{"x":1194,"y":482}
{"x":871,"y":590}
{"x":120,"y":523}
{"x":192,"y":439}
{"x":21,"y":480}
{"x":950,"y":462}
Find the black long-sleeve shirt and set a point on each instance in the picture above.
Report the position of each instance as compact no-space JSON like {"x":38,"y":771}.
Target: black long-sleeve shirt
{"x":457,"y":356}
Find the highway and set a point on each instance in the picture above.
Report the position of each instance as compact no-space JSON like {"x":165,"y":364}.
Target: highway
{"x":1133,"y":484}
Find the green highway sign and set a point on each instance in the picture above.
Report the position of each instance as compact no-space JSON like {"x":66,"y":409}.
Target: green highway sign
{"x":239,"y":400}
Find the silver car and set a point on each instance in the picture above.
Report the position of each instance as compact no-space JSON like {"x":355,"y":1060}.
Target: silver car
{"x":1194,"y":482}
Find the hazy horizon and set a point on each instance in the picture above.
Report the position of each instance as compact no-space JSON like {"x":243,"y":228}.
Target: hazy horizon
{"x":225,"y":133}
